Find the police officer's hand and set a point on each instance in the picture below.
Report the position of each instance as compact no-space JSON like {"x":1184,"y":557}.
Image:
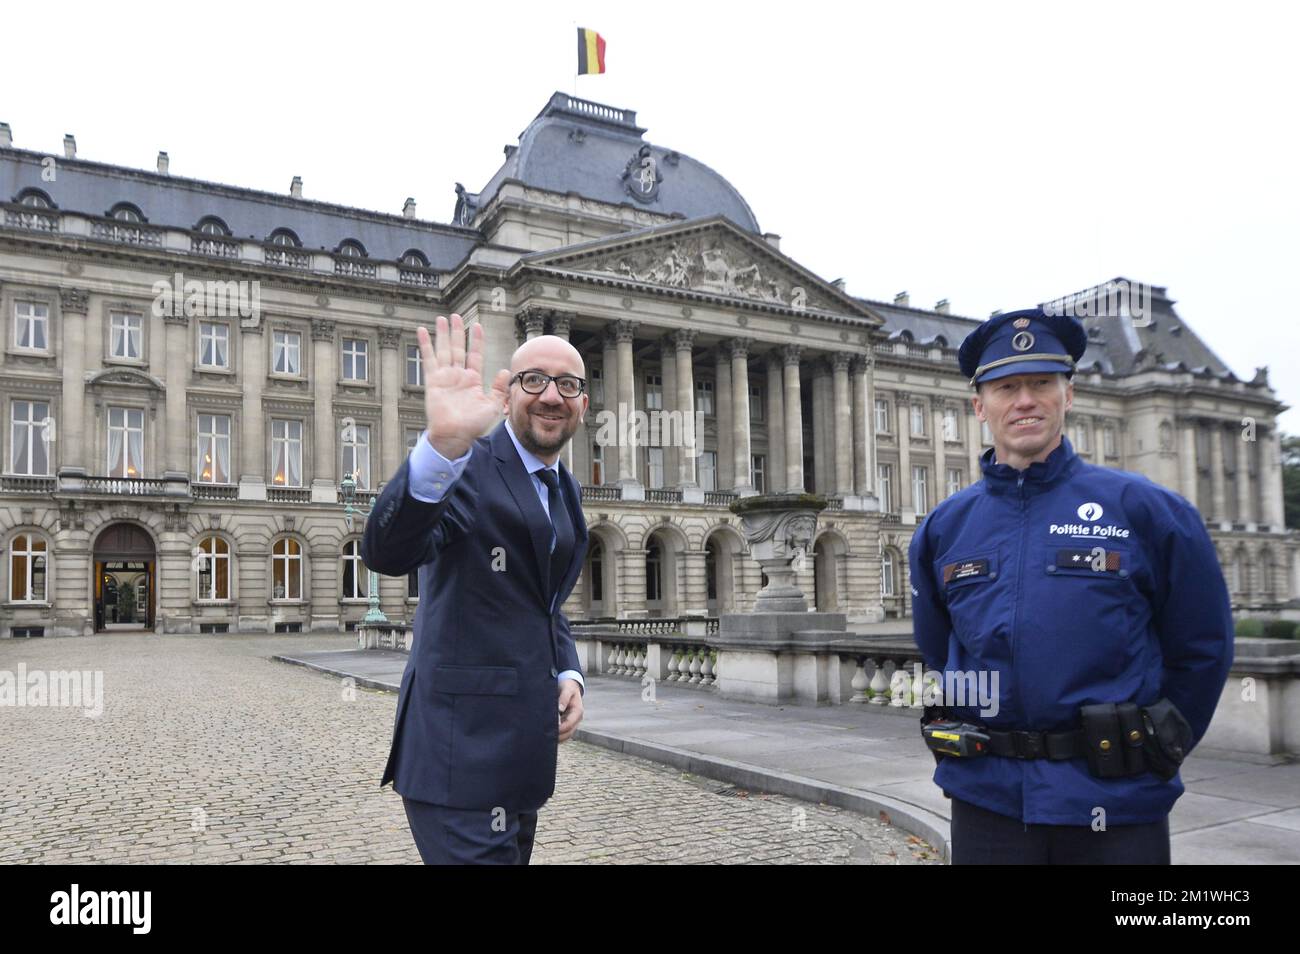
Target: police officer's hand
{"x":457,"y":409}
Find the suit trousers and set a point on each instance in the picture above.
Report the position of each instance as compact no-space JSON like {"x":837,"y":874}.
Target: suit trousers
{"x":470,"y":836}
{"x":982,"y":837}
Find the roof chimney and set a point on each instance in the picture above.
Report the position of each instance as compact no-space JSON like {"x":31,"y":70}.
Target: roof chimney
{"x":772,"y":239}
{"x":295,"y":187}
{"x":162,"y":162}
{"x":408,"y":209}
{"x":941,"y":306}
{"x":901,"y":299}
{"x":6,"y":136}
{"x":838,"y":285}
{"x":70,"y":146}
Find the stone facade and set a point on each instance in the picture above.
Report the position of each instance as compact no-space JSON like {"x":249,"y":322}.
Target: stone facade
{"x":179,"y":468}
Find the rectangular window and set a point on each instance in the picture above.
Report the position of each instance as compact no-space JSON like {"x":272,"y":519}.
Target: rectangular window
{"x":214,"y":449}
{"x":287,"y":355}
{"x":286,"y":453}
{"x":756,"y":403}
{"x":31,"y":325}
{"x":29,"y":438}
{"x":708,"y":471}
{"x":918,"y":420}
{"x":214,"y":345}
{"x":884,"y":480}
{"x":950,"y":432}
{"x":414,"y":369}
{"x":882,"y":416}
{"x":759,"y":463}
{"x":125,"y":442}
{"x":356,"y":455}
{"x":597,"y":385}
{"x":413,"y":585}
{"x":704,"y":398}
{"x":597,"y":464}
{"x":1108,"y":441}
{"x":354,"y":359}
{"x":920,"y":496}
{"x":413,"y":435}
{"x":954,"y":480}
{"x":126,"y":334}
{"x":654,"y":465}
{"x":1082,"y":439}
{"x":654,"y":392}
{"x":886,"y":575}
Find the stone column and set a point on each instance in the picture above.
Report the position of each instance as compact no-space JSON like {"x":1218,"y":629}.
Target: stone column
{"x":793,"y":420}
{"x":625,"y":332}
{"x":560,"y":324}
{"x":69,"y":445}
{"x":668,"y":434}
{"x":776,"y":474}
{"x":975,"y":440}
{"x":324,"y":371}
{"x":683,"y":342}
{"x":1245,"y":491}
{"x":864,"y":427}
{"x":392,"y":447}
{"x":940,"y":452}
{"x":252,"y":431}
{"x":904,"y":412}
{"x":1270,"y":471}
{"x":744,"y":478}
{"x":822,"y":429}
{"x":1219,"y":512}
{"x":176,"y":447}
{"x":726,"y":471}
{"x":1187,"y":461}
{"x":609,"y":377}
{"x":843,"y":406}
{"x":534,"y":323}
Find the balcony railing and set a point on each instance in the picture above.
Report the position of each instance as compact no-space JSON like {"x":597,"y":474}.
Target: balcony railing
{"x":592,"y":492}
{"x":215,"y":491}
{"x":127,"y":233}
{"x":288,"y":494}
{"x":23,"y":484}
{"x":31,"y":219}
{"x":126,"y":486}
{"x":719,"y":498}
{"x":418,"y":277}
{"x":286,"y":256}
{"x":663,"y":496}
{"x":214,"y":246}
{"x":357,"y":268}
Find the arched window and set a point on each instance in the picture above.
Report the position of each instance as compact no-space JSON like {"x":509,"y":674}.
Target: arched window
{"x":415,"y":258}
{"x":711,"y":571}
{"x":596,"y":553}
{"x":27,"y":566}
{"x":886,"y":573}
{"x":653,"y":572}
{"x":211,"y":225}
{"x":35,"y":199}
{"x":286,"y":238}
{"x":351,"y":248}
{"x":126,"y":212}
{"x":286,"y":569}
{"x":355,"y":575}
{"x":213,"y":564}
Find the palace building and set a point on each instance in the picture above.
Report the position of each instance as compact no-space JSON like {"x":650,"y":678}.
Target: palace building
{"x":190,"y":369}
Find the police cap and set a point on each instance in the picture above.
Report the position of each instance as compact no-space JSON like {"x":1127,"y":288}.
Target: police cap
{"x":1022,"y":342}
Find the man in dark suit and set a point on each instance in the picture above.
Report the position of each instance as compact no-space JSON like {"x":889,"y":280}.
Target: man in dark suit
{"x":495,"y":526}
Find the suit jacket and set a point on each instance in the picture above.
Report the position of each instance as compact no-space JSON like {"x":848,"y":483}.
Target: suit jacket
{"x":476,"y":722}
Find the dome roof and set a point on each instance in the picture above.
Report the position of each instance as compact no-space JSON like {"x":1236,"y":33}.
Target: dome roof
{"x":598,"y":151}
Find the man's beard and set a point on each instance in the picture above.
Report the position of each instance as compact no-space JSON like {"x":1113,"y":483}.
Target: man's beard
{"x":535,"y":443}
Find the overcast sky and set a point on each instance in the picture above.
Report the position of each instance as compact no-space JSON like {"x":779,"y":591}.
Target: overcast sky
{"x":994,"y":154}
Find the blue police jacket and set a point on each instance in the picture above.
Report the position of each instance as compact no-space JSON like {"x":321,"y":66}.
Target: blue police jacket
{"x":1075,"y":584}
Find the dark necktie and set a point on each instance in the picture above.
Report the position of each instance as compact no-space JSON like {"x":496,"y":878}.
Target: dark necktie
{"x":562,"y":553}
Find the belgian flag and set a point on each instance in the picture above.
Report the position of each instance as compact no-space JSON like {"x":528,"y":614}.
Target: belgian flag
{"x":591,"y":52}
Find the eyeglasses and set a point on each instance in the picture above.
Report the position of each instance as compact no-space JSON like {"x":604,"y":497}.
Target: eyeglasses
{"x":535,"y":382}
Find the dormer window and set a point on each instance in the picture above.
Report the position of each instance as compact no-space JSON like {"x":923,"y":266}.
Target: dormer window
{"x":286,"y":238}
{"x":126,"y":212}
{"x":414,"y":258}
{"x":352,"y":249}
{"x":211,"y":225}
{"x":35,"y":199}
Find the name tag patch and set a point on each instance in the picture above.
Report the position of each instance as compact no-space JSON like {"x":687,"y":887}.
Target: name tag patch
{"x":964,"y":570}
{"x":1097,"y":559}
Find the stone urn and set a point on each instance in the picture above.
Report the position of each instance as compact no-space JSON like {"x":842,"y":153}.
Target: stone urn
{"x":780,"y":529}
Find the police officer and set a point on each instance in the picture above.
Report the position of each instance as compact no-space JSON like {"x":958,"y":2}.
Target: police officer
{"x":1091,"y":598}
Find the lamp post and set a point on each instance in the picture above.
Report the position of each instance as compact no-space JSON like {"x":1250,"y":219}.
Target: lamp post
{"x":349,"y":488}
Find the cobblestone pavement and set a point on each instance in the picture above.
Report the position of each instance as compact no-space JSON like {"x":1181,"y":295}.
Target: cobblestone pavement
{"x":207,"y":751}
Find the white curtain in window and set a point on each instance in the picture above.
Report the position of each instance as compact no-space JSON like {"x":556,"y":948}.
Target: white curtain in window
{"x":222,"y":474}
{"x":119,"y":333}
{"x":115,"y":465}
{"x":221,"y":349}
{"x":135,"y":466}
{"x":133,"y":328}
{"x":38,"y":332}
{"x":20,"y":432}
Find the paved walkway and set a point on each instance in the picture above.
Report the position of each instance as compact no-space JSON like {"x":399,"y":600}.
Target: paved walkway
{"x":1236,"y":810}
{"x":208,"y":751}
